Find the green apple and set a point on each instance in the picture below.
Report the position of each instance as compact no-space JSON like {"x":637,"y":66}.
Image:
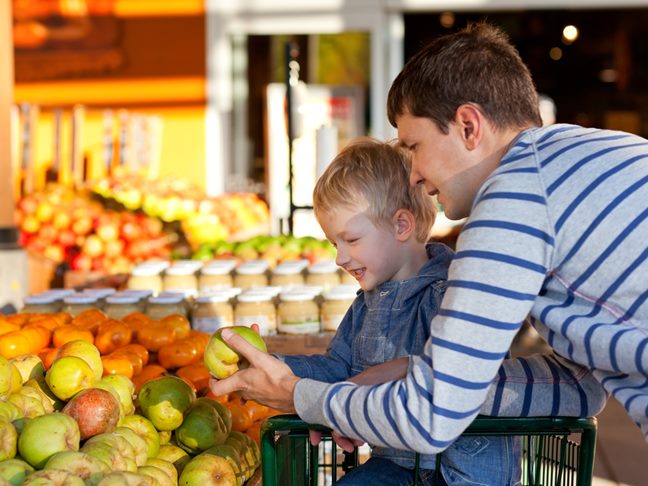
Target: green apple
{"x":41,"y":385}
{"x":124,"y":387}
{"x":158,"y":474}
{"x":69,"y":375}
{"x":8,"y":440}
{"x":208,"y":470}
{"x":165,"y":436}
{"x":221,"y":360}
{"x":30,"y":391}
{"x":175,"y":455}
{"x":78,"y":463}
{"x":114,"y":441}
{"x":29,"y":406}
{"x":168,"y":468}
{"x":108,"y":455}
{"x":140,"y":448}
{"x":164,"y":400}
{"x":202,"y":427}
{"x":145,"y":429}
{"x":46,"y":435}
{"x":29,"y":365}
{"x":14,"y":471}
{"x":53,"y":477}
{"x":124,"y":478}
{"x":233,"y":457}
{"x":88,"y":352}
{"x":9,"y":411}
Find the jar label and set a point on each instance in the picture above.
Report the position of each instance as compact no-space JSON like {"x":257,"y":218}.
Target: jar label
{"x":301,"y":327}
{"x":332,"y":322}
{"x":210,"y":324}
{"x":267,"y":323}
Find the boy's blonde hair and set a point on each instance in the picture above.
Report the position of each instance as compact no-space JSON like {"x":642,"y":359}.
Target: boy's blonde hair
{"x":376,"y":173}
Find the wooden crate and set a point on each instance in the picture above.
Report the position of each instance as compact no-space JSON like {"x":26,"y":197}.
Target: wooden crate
{"x":299,"y":343}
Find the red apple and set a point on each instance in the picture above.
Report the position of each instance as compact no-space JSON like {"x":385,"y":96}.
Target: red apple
{"x":113,"y":248}
{"x":28,"y":205}
{"x":54,"y":252}
{"x":82,"y":226}
{"x":108,"y":231}
{"x":95,"y":410}
{"x":67,"y":238}
{"x":81,"y":263}
{"x":93,"y":246}
{"x":61,"y":220}
{"x":44,"y":212}
{"x":47,"y":233}
{"x":30,"y":224}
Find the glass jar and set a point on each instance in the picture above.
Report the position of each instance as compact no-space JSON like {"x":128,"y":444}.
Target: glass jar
{"x":335,"y":305}
{"x":251,"y":274}
{"x":120,"y":305}
{"x":180,"y":278}
{"x":41,"y":304}
{"x":216,"y":276}
{"x":298,"y":313}
{"x":256,"y":308}
{"x":287,"y":275}
{"x":164,"y":305}
{"x":346,"y":278}
{"x":77,"y":303}
{"x":100,"y":293}
{"x":324,"y":273}
{"x":146,"y":277}
{"x":212,"y":312}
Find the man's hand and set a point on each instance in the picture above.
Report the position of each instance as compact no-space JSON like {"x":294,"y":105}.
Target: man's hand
{"x":266,"y":379}
{"x":345,"y":443}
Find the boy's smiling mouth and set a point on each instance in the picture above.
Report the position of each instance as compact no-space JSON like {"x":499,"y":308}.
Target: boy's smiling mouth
{"x":357,"y":273}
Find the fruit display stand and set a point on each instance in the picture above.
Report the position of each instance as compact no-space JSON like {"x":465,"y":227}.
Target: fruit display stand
{"x":299,"y":343}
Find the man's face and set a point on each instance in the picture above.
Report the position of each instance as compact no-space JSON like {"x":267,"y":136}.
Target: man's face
{"x":442,"y":163}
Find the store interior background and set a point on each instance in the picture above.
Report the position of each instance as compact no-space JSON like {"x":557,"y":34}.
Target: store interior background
{"x":148,"y":58}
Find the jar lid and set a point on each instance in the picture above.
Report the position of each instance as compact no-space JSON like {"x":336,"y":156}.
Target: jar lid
{"x":183,"y":293}
{"x":180,"y":270}
{"x":324,"y":266}
{"x":342,"y":292}
{"x":253,"y":267}
{"x":161,"y":264}
{"x":254,"y":297}
{"x":139,"y":293}
{"x":38,"y":299}
{"x":212,"y":298}
{"x":122,"y":299}
{"x":294,"y":296}
{"x":146,"y":271}
{"x":271,"y":290}
{"x":195,"y":264}
{"x":81,"y":299}
{"x":216,"y":270}
{"x":222,"y":265}
{"x":59,"y":293}
{"x":100,"y":292}
{"x":287,"y":269}
{"x":174,"y":298}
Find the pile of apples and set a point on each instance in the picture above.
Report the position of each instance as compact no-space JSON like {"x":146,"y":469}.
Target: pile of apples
{"x":204,"y":219}
{"x":66,"y":226}
{"x":72,"y":424}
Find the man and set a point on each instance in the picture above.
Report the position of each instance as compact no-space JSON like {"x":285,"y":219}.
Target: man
{"x":557,"y":229}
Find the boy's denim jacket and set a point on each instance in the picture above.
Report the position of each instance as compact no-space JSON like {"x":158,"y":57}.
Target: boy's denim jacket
{"x":386,"y":323}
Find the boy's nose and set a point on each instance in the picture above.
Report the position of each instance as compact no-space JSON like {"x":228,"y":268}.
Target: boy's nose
{"x":341,"y":258}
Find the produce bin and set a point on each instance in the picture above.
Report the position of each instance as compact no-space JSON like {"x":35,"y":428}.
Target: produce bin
{"x":557,"y":451}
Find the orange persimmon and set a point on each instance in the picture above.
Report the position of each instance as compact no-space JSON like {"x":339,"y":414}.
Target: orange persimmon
{"x":117,"y":365}
{"x":149,"y":372}
{"x":178,"y":354}
{"x":195,"y":373}
{"x":47,"y":356}
{"x":154,"y":336}
{"x":241,"y":416}
{"x":112,"y":334}
{"x":69,"y":332}
{"x":6,"y":326}
{"x":179,"y":322}
{"x":137,"y":349}
{"x":89,"y":319}
{"x":219,"y":398}
{"x":14,"y":343}
{"x":38,"y":336}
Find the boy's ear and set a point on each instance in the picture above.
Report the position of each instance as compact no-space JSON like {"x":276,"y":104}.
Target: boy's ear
{"x":404,"y":224}
{"x":471,"y":123}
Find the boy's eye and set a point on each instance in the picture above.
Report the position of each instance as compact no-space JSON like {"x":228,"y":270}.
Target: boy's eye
{"x":351,"y":240}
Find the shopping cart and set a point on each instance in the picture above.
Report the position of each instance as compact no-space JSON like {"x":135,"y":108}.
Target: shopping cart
{"x":557,"y":451}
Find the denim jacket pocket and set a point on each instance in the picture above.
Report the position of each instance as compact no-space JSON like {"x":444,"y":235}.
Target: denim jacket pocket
{"x":369,"y":351}
{"x":471,"y":445}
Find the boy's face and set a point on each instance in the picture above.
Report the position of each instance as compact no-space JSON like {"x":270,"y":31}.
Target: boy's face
{"x":442,"y":163}
{"x":370,"y":253}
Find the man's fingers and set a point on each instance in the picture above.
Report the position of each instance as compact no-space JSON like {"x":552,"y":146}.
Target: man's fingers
{"x":255,"y":327}
{"x":223,"y":387}
{"x":241,"y":346}
{"x":315,"y":437}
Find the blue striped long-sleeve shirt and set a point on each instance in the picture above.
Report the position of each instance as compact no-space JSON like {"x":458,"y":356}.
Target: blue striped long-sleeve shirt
{"x":558,"y":231}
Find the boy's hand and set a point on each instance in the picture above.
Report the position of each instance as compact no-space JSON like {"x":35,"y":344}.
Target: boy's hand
{"x":382,"y":373}
{"x":266,"y":379}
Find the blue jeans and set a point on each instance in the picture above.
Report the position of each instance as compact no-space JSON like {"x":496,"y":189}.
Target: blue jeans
{"x":378,"y":471}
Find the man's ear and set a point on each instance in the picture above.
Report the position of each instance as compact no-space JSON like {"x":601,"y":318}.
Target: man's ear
{"x":471,"y":123}
{"x":404,"y":224}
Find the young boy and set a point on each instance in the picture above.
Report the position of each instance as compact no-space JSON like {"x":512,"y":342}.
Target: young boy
{"x":380,"y":226}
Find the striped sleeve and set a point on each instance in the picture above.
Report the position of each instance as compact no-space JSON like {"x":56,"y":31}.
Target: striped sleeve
{"x":490,"y":292}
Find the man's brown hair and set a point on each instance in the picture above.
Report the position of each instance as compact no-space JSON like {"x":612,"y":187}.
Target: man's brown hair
{"x":375,"y":173}
{"x":477,"y":65}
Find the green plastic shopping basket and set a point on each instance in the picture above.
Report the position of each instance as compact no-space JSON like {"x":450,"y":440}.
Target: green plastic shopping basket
{"x":557,"y":451}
